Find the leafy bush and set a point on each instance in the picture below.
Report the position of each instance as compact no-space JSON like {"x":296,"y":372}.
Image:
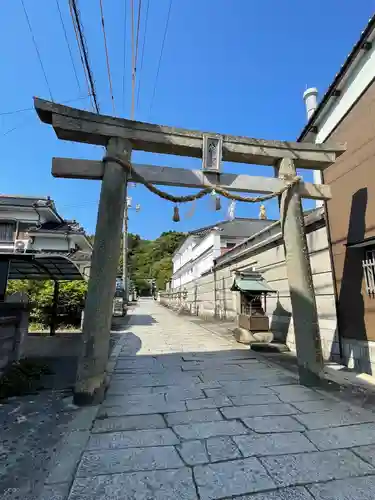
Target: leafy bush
{"x":20,"y":377}
{"x":40,"y":295}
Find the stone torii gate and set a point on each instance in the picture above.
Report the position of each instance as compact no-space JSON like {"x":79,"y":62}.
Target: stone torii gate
{"x":120,"y":137}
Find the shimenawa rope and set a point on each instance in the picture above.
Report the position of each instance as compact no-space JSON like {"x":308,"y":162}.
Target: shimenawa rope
{"x":203,"y":192}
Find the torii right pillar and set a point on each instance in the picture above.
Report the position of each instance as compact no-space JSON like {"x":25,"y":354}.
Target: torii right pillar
{"x":302,"y":294}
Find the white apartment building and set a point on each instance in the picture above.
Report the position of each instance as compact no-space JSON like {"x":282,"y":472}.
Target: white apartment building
{"x":201,"y":247}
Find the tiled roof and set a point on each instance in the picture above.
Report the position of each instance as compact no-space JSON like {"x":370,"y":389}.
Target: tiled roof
{"x":65,"y":226}
{"x":238,"y":227}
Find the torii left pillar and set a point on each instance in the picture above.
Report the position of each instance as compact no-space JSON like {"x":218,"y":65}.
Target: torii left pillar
{"x":91,"y":373}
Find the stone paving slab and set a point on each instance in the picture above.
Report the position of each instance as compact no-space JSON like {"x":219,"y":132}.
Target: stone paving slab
{"x":204,"y":430}
{"x":215,"y":402}
{"x":214,"y":363}
{"x":186,"y":392}
{"x":239,"y":389}
{"x":316,"y":406}
{"x":145,"y":409}
{"x":158,"y":485}
{"x":34,"y":430}
{"x":273,"y":444}
{"x":140,"y":400}
{"x":229,"y":355}
{"x":298,"y":493}
{"x":193,"y":452}
{"x":359,"y":488}
{"x":366,"y":453}
{"x":146,"y":380}
{"x":213,"y":372}
{"x":343,"y":437}
{"x":81,"y":420}
{"x":322,"y":420}
{"x":261,"y":399}
{"x":258,"y":410}
{"x":231,"y":478}
{"x":266,"y":425}
{"x":263,"y":377}
{"x":37,"y":492}
{"x":131,"y":423}
{"x":303,"y":468}
{"x":187,"y":417}
{"x":222,"y":448}
{"x":290,"y":393}
{"x":128,"y":460}
{"x":66,"y":459}
{"x":266,"y":381}
{"x":132,"y":439}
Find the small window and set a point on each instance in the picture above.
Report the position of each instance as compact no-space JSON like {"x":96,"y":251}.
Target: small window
{"x":7,"y":230}
{"x":231,"y":245}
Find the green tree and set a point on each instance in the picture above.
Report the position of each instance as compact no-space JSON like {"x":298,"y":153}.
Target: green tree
{"x":40,"y":295}
{"x":153,"y":259}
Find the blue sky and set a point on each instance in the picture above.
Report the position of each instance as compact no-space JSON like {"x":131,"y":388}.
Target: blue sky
{"x":237,"y":67}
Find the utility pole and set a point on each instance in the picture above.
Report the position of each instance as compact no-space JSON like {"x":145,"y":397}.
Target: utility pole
{"x":125,"y":245}
{"x":125,"y":251}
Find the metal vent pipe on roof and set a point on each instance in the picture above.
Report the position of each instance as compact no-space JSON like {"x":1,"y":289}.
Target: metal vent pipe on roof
{"x":310,"y":96}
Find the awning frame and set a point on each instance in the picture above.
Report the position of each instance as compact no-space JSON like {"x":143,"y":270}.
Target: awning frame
{"x":34,"y":266}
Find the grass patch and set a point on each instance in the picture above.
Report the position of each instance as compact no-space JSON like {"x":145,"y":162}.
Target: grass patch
{"x":45,"y":330}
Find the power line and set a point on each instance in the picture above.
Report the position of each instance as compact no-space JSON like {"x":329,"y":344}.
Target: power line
{"x":124,"y":61}
{"x":33,"y":109}
{"x":133,"y":59}
{"x":68,"y":45}
{"x":84,"y":51}
{"x":135,"y":53}
{"x":24,"y":122}
{"x":138,"y":26}
{"x":107,"y":57}
{"x":161,"y":56}
{"x":81,"y":55}
{"x":37,"y":50}
{"x":143,"y":52}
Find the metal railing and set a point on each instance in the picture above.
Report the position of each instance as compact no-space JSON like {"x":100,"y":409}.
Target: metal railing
{"x":369,"y":274}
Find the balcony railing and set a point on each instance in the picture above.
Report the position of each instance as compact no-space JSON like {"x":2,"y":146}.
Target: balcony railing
{"x":369,"y":274}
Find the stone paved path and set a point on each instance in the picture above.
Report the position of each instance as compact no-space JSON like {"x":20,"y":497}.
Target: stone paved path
{"x":193,"y":415}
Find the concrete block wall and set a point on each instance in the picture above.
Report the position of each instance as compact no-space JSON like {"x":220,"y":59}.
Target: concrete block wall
{"x":8,"y":328}
{"x":13,"y":332}
{"x":210,"y":295}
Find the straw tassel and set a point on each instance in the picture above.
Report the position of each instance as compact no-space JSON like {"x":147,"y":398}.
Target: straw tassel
{"x":217,"y":203}
{"x":176,"y":214}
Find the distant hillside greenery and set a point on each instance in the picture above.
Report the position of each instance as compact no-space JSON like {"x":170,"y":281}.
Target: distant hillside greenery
{"x":152,"y":259}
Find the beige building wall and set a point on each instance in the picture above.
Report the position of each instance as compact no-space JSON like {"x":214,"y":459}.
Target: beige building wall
{"x":210,"y":296}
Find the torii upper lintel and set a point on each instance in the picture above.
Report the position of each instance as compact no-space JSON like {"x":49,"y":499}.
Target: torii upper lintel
{"x":84,"y":126}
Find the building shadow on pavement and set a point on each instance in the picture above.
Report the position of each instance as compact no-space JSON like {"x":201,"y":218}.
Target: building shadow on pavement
{"x":280,"y":322}
{"x":351,"y":306}
{"x":132,"y":344}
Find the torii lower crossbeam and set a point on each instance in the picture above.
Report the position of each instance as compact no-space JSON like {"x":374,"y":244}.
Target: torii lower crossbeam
{"x":69,"y":168}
